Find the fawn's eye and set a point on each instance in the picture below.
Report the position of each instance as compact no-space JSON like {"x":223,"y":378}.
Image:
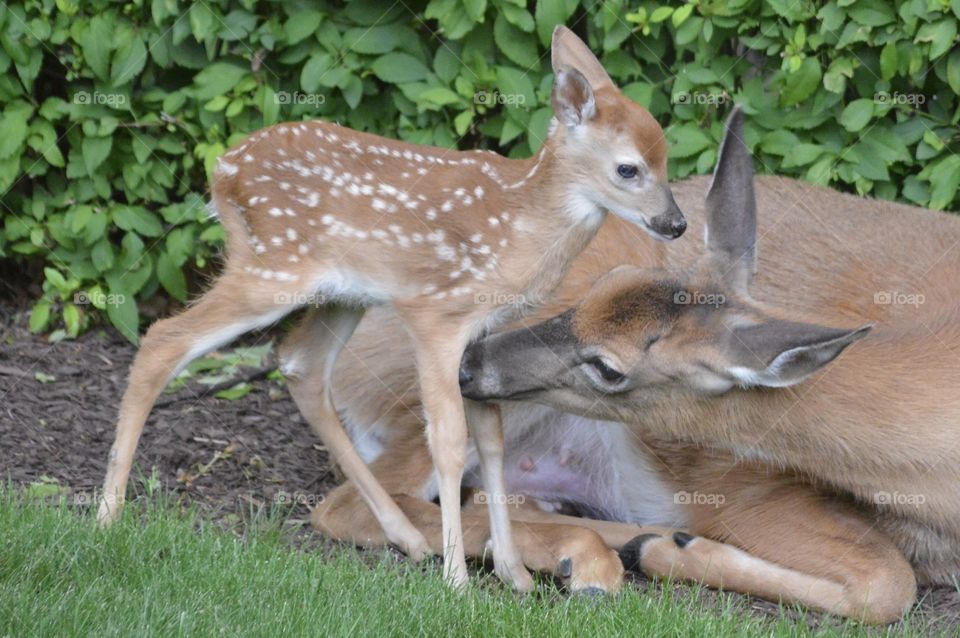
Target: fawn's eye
{"x":610,"y":375}
{"x":627,"y":171}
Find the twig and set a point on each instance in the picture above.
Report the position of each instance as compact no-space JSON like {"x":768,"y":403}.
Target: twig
{"x":13,"y":372}
{"x":254,"y":375}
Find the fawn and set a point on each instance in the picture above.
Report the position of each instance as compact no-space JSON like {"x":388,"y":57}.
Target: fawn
{"x":456,"y":242}
{"x":793,"y":494}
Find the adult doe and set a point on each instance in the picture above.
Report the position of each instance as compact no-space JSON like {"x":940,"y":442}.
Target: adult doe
{"x":838,"y":493}
{"x":456,"y":242}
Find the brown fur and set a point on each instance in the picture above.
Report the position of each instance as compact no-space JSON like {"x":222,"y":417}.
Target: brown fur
{"x":813,"y":533}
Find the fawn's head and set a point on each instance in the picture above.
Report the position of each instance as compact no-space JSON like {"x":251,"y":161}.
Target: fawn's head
{"x":642,"y":336}
{"x":611,"y":147}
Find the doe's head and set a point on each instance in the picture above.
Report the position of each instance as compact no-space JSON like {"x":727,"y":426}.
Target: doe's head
{"x":613,"y":148}
{"x":643,"y":336}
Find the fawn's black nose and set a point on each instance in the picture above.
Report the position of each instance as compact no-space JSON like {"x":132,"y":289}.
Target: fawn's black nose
{"x":670,"y":224}
{"x":465,"y":376}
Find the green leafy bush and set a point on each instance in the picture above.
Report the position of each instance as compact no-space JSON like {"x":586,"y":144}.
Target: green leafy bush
{"x":113,"y":113}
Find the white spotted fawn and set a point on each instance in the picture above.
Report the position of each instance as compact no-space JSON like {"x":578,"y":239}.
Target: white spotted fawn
{"x":325,"y":217}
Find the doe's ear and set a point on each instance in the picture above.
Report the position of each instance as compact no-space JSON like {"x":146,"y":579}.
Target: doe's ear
{"x":572,"y":98}
{"x":567,"y":51}
{"x":778,"y":354}
{"x":731,"y":207}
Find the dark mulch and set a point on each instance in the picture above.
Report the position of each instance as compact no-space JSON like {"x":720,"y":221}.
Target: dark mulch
{"x":226,"y":457}
{"x":221,"y":454}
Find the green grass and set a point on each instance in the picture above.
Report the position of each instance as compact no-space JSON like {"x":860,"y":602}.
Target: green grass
{"x":161,"y":573}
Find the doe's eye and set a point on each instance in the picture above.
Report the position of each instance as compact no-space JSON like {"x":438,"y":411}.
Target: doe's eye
{"x":609,"y":374}
{"x":627,"y":171}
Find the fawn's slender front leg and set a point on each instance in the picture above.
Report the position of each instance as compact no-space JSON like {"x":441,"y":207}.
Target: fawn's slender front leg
{"x":486,"y":427}
{"x":438,"y":369}
{"x":308,"y":357}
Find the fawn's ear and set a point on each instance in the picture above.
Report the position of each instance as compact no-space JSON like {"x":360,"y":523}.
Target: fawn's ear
{"x":570,"y":52}
{"x":731,"y":207}
{"x":777,"y":354}
{"x":572,"y":98}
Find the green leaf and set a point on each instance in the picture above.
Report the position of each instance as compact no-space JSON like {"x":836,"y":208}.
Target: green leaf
{"x":137,"y":219}
{"x":81,"y":216}
{"x":778,"y":142}
{"x":236,"y":392}
{"x":681,"y":14}
{"x":475,"y":9}
{"x":95,"y":42}
{"x":40,"y":317}
{"x":14,"y":127}
{"x":124,"y":316}
{"x":953,"y":71}
{"x":857,"y":114}
{"x":399,"y":68}
{"x":867,"y":165}
{"x":235,"y":108}
{"x":686,"y":141}
{"x":315,"y":71}
{"x":95,"y":150}
{"x":71,"y":319}
{"x":872,"y":13}
{"x":548,"y":14}
{"x":102,"y":255}
{"x":802,"y":155}
{"x":538,"y":127}
{"x":128,"y":61}
{"x":202,"y":20}
{"x":375,"y":40}
{"x":440,"y":96}
{"x":802,"y":83}
{"x":56,"y":278}
{"x":518,"y":46}
{"x":461,"y":123}
{"x":916,"y":191}
{"x":518,"y":17}
{"x":217,"y":104}
{"x":217,"y":79}
{"x":171,"y":277}
{"x":888,"y":60}
{"x":301,"y":25}
{"x":886,"y":145}
{"x":792,"y":10}
{"x":660,"y":14}
{"x":270,"y":106}
{"x":940,"y":35}
{"x":944,"y":182}
{"x":41,"y":489}
{"x":515,"y":86}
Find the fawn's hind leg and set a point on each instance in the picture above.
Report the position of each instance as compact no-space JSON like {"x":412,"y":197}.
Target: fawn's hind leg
{"x":308,"y":357}
{"x":220,"y":316}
